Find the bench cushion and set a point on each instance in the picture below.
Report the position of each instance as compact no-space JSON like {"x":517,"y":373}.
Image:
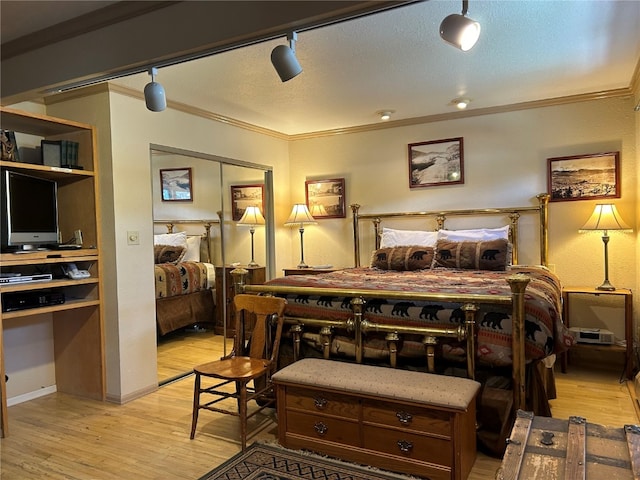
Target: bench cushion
{"x":383,"y":382}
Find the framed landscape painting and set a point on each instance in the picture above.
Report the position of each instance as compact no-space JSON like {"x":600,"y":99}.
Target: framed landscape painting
{"x":438,"y":162}
{"x":176,"y":185}
{"x":325,"y":198}
{"x":243,"y":196}
{"x":584,"y":177}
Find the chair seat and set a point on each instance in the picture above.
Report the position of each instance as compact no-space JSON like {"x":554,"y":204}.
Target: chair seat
{"x":235,"y":368}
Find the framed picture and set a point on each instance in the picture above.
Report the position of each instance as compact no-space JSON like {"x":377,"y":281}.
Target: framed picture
{"x":9,"y":150}
{"x":325,"y":198}
{"x":176,"y":185}
{"x":584,"y":177}
{"x":438,"y":162}
{"x":243,"y":196}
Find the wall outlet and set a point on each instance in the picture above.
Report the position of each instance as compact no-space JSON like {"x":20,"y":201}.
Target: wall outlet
{"x":77,"y":237}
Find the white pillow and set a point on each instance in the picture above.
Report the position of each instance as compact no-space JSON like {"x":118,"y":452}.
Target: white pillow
{"x":475,"y":234}
{"x":193,"y":249}
{"x":174,"y":239}
{"x":406,"y":238}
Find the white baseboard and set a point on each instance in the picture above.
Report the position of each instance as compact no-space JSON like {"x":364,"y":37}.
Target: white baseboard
{"x":25,"y":397}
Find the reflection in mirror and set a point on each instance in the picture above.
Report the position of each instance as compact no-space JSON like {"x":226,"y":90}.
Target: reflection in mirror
{"x":196,"y":245}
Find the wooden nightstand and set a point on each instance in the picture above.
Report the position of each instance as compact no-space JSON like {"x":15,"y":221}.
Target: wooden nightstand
{"x":628,"y":323}
{"x":256,"y":276}
{"x":307,"y":271}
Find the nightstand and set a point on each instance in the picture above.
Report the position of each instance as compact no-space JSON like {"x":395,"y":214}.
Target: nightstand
{"x":307,"y":271}
{"x":627,"y":296}
{"x":255,"y":276}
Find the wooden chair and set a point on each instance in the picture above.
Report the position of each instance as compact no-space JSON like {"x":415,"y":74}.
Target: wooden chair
{"x":254,"y":359}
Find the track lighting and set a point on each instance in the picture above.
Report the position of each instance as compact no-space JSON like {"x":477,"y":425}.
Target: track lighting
{"x":154,"y":95}
{"x":459,"y":30}
{"x":284,"y":59}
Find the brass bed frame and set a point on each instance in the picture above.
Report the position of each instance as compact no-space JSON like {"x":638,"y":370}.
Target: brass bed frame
{"x":359,"y":325}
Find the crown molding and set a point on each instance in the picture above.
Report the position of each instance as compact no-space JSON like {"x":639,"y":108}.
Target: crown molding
{"x":199,"y":112}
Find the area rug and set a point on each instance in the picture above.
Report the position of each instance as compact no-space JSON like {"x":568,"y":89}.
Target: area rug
{"x":263,"y":461}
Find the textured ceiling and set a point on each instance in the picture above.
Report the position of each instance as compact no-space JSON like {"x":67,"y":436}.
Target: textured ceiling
{"x":395,"y":60}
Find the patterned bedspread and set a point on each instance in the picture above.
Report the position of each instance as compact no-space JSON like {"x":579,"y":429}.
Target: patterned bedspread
{"x":545,"y":333}
{"x":180,"y":279}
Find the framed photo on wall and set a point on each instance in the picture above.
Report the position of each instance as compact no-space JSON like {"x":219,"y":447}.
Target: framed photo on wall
{"x":325,"y":198}
{"x":584,"y":177}
{"x":176,"y":184}
{"x":243,"y":196}
{"x":438,"y":162}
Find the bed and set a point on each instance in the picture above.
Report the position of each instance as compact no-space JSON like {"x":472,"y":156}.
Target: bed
{"x":443,"y":301}
{"x":184,"y":277}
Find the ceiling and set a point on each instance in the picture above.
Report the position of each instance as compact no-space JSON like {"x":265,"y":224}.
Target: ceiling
{"x":528,"y":51}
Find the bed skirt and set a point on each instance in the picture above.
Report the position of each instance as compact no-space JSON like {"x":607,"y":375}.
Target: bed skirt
{"x":181,"y":311}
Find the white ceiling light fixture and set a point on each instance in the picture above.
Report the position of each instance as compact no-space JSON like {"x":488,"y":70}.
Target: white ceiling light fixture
{"x":461,"y":103}
{"x":154,"y":95}
{"x":459,"y":30}
{"x":284,"y":59}
{"x":385,"y":115}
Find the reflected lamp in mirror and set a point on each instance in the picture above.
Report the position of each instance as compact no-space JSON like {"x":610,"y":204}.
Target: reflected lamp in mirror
{"x":318,"y":210}
{"x":251,"y":218}
{"x":605,"y":217}
{"x":300,"y":216}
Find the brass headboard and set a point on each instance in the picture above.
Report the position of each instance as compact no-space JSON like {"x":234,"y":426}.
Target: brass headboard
{"x":441,"y":215}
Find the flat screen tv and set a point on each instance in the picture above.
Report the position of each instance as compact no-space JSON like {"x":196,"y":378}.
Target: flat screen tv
{"x":29,"y":212}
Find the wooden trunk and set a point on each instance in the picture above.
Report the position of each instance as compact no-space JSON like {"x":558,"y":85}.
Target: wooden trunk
{"x":554,"y":449}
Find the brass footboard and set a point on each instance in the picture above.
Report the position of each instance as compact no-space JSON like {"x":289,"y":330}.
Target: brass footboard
{"x":359,"y":325}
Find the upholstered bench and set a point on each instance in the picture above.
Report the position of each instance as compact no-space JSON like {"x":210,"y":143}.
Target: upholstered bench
{"x":406,"y":421}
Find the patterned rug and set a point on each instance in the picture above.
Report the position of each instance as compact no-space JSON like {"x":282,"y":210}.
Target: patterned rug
{"x":271,"y":462}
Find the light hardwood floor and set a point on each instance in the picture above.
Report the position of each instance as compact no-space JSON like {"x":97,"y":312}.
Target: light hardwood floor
{"x":62,"y":437}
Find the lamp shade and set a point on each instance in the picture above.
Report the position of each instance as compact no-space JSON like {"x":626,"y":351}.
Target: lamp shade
{"x":317,"y":209}
{"x":605,"y":216}
{"x":460,"y":31}
{"x":252,"y":216}
{"x":300,"y":215}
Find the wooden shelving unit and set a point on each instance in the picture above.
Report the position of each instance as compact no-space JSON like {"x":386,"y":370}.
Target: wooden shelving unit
{"x":78,"y":329}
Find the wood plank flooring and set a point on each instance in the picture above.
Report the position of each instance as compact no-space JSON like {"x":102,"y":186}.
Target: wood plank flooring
{"x":63,"y":437}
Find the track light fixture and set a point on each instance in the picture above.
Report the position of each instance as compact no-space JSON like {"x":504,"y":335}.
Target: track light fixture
{"x":154,"y":95}
{"x":459,"y":30}
{"x":284,"y":59}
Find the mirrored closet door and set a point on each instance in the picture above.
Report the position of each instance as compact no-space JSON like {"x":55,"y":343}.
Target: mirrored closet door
{"x":210,"y":214}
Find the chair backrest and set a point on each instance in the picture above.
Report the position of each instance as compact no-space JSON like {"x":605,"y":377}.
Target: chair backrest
{"x":263,"y":342}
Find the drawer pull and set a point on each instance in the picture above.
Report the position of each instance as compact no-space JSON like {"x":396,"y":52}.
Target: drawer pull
{"x":321,"y":428}
{"x":320,"y":403}
{"x":404,"y":417}
{"x":405,"y":446}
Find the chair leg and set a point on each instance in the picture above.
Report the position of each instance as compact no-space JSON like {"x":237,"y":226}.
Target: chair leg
{"x":196,"y":405}
{"x":243,"y":415}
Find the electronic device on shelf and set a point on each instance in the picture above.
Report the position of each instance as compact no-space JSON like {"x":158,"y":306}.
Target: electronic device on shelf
{"x":39,"y":277}
{"x":71,"y":271}
{"x":23,"y":300}
{"x":593,"y":335}
{"x":29,"y":211}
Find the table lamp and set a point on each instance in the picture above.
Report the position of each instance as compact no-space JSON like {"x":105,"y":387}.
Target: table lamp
{"x":251,"y":217}
{"x":300,"y":216}
{"x":605,"y":217}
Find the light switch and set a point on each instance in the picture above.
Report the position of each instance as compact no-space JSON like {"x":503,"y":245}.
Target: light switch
{"x":133,"y":238}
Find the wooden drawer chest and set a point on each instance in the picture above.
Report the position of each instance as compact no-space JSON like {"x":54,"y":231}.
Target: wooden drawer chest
{"x":558,"y":449}
{"x":410,"y":422}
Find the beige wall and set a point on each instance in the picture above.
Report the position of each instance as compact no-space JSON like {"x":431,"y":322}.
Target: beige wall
{"x":505,"y":158}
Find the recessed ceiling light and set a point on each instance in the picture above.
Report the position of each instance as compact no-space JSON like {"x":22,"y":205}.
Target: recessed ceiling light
{"x":461,"y":103}
{"x":385,"y":114}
